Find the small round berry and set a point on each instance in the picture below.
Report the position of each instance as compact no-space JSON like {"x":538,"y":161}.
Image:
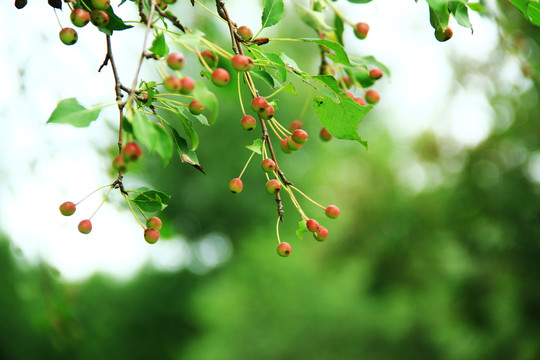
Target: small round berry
{"x":245,"y":32}
{"x":372,"y":96}
{"x":132,"y":151}
{"x":187,"y":85}
{"x":210,"y":59}
{"x":375,"y":74}
{"x":284,"y":249}
{"x":151,"y":235}
{"x":299,"y":136}
{"x":349,"y":94}
{"x":236,"y":185}
{"x":119,"y":164}
{"x":248,"y":122}
{"x":360,"y":101}
{"x":68,"y":36}
{"x":273,"y":186}
{"x":259,"y":104}
{"x":332,"y":211}
{"x":175,"y":61}
{"x":320,"y":234}
{"x":268,"y":165}
{"x":67,"y":208}
{"x":294,"y":125}
{"x":99,"y":18}
{"x":293,"y":145}
{"x":361,"y":30}
{"x":220,"y":77}
{"x":347,"y":81}
{"x":101,"y":4}
{"x":242,"y":62}
{"x":154,"y":223}
{"x":445,"y":35}
{"x":79,"y":17}
{"x":325,"y":135}
{"x":85,"y":226}
{"x":195,"y":107}
{"x":172,"y":83}
{"x":312,"y":225}
{"x":268,"y":113}
{"x":285,"y":146}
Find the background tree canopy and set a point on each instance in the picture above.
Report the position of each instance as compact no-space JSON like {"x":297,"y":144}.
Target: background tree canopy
{"x":447,"y":269}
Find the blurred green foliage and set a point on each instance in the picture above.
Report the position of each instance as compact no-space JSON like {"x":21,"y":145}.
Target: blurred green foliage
{"x":450,"y":272}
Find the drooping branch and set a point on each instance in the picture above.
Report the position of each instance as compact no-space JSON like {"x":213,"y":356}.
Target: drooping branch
{"x":172,"y":18}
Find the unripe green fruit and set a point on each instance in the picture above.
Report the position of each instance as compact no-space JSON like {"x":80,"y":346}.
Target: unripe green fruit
{"x":361,"y":30}
{"x":151,"y":235}
{"x":195,"y":107}
{"x":99,"y":18}
{"x":68,"y":36}
{"x":175,"y":61}
{"x":259,"y":104}
{"x":187,"y":85}
{"x":172,"y":83}
{"x":292,"y":144}
{"x":296,"y":124}
{"x":236,"y":185}
{"x":285,"y":146}
{"x":375,"y":74}
{"x":273,"y":186}
{"x":360,"y":101}
{"x":67,"y":208}
{"x":445,"y":35}
{"x":320,"y":234}
{"x":332,"y":211}
{"x":210,"y":59}
{"x":245,"y":32}
{"x":220,"y":77}
{"x":284,"y":249}
{"x":372,"y":96}
{"x":312,"y":225}
{"x":248,"y":122}
{"x":119,"y":164}
{"x":242,"y":62}
{"x":325,"y":135}
{"x":101,"y":4}
{"x":85,"y":226}
{"x":268,"y":165}
{"x":154,"y":223}
{"x":80,"y":17}
{"x":132,"y":151}
{"x":299,"y":136}
{"x":170,"y":2}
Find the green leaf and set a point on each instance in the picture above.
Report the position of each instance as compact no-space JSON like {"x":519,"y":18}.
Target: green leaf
{"x":533,"y":12}
{"x":476,"y":7}
{"x":302,"y":228}
{"x":69,"y":111}
{"x":339,"y":55}
{"x":151,"y":200}
{"x":291,"y":63}
{"x":159,"y":46}
{"x":115,"y":23}
{"x":200,"y":118}
{"x":290,"y":89}
{"x":341,"y":120}
{"x":144,"y":130}
{"x":186,"y":156}
{"x":164,"y":146}
{"x":372,"y":60}
{"x":266,"y":77}
{"x":208,"y":99}
{"x":359,"y":1}
{"x":363,"y":78}
{"x":313,"y":19}
{"x":281,"y":71}
{"x":461,"y":13}
{"x":189,"y":131}
{"x":272,"y":12}
{"x":521,"y":5}
{"x":256,"y":146}
{"x":331,"y":83}
{"x":339,"y":27}
{"x":438,"y":14}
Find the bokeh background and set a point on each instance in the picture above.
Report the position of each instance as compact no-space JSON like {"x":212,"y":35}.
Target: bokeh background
{"x":436,"y":254}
